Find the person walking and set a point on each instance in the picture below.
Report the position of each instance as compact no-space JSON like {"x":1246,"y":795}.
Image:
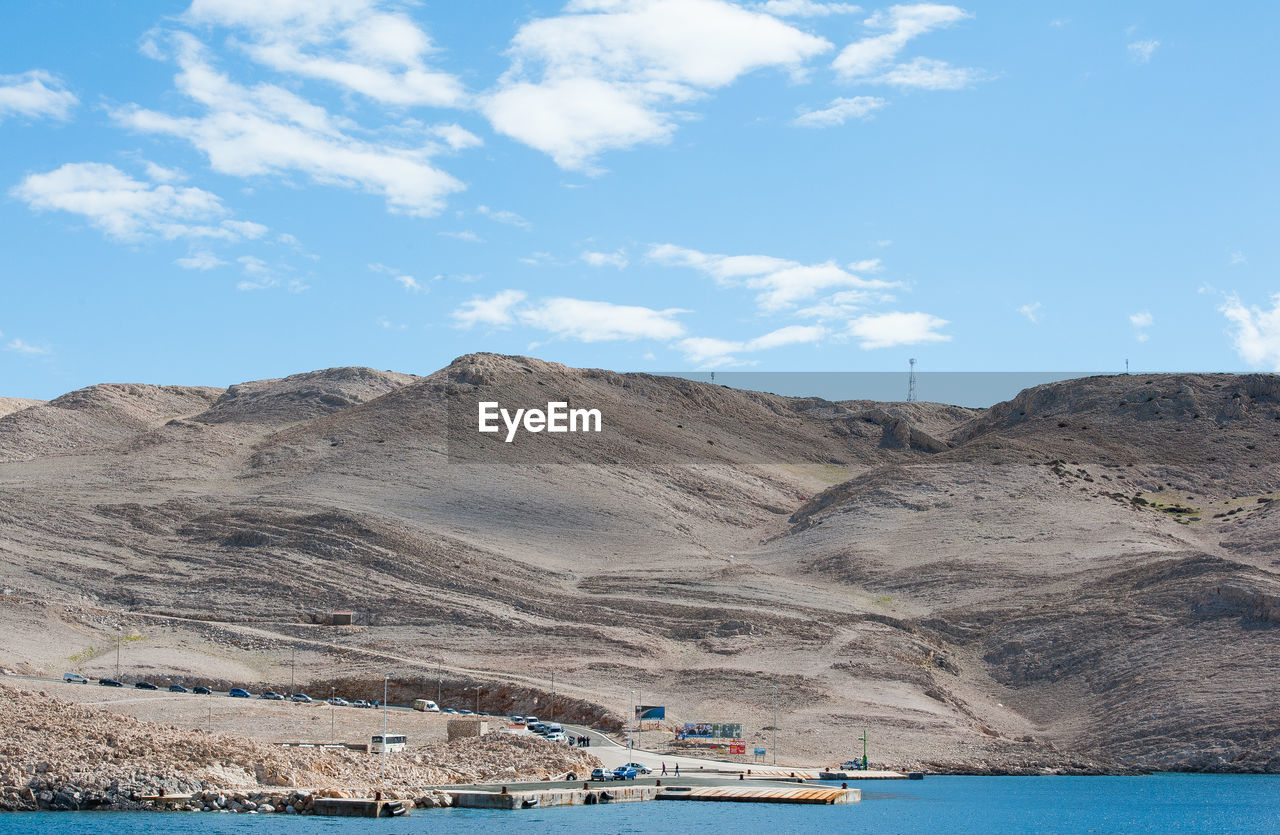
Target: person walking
{"x":677,"y":769}
{"x":664,"y":768}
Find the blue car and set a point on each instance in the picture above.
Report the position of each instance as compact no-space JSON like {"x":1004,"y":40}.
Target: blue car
{"x":624,"y":772}
{"x":239,"y":693}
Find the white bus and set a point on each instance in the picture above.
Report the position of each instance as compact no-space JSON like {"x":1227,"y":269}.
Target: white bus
{"x":393,"y":743}
{"x":426,"y":705}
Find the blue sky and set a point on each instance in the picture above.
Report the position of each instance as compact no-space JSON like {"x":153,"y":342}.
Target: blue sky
{"x":222,"y":190}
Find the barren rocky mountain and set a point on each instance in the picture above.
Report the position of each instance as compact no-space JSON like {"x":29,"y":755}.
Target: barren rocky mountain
{"x":1086,"y":576}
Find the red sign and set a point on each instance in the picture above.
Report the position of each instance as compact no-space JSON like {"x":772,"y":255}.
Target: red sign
{"x":738,"y":749}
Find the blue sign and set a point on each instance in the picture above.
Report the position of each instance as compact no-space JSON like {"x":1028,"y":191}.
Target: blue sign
{"x":651,"y":711}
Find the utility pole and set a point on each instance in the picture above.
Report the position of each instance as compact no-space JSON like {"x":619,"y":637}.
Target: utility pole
{"x":775,"y":723}
{"x":385,"y":679}
{"x":640,"y":719}
{"x":477,"y":700}
{"x":553,"y":697}
{"x":333,"y":719}
{"x":911,"y":382}
{"x":631,"y":738}
{"x":293,"y":680}
{"x":119,"y":641}
{"x":439,"y":684}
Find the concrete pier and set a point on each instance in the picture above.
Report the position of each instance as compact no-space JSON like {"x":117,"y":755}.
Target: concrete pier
{"x":543,"y":798}
{"x":820,"y":795}
{"x":358,"y":807}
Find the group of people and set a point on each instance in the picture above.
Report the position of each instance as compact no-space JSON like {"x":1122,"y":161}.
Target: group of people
{"x":581,"y":741}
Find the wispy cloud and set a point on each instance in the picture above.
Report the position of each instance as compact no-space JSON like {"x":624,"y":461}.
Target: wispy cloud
{"x":494,"y":310}
{"x":710,"y":353}
{"x":581,"y":320}
{"x":780,"y":283}
{"x":1032,"y":311}
{"x":606,"y":259}
{"x":203,"y":260}
{"x":1142,"y":321}
{"x":19,"y":347}
{"x":465,"y":235}
{"x":504,"y":216}
{"x":1141,"y":51}
{"x":872,"y":58}
{"x":35,"y":94}
{"x":806,"y":8}
{"x":839,"y":111}
{"x":268,"y":129}
{"x":129,"y":209}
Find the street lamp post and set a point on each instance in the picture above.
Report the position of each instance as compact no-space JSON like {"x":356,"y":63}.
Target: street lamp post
{"x":775,"y":723}
{"x":119,"y":641}
{"x":333,"y":717}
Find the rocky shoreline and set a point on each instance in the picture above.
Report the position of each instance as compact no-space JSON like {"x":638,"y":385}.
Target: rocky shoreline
{"x":59,"y":756}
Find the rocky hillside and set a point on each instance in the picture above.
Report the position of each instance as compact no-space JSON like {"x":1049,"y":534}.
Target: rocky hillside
{"x":1084,"y":574}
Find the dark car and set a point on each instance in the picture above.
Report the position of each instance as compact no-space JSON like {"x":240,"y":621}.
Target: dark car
{"x":145,"y":685}
{"x":201,"y":691}
{"x":178,"y":688}
{"x":272,"y":696}
{"x":110,"y":682}
{"x":239,"y":693}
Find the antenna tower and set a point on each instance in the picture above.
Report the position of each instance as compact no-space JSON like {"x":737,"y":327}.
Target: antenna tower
{"x":911,"y":383}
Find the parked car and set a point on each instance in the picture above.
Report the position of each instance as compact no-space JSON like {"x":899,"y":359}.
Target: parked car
{"x":640,"y":768}
{"x":518,"y":720}
{"x":145,"y":685}
{"x":361,"y":703}
{"x":338,"y":701}
{"x":178,"y":688}
{"x":449,"y":710}
{"x":239,"y":693}
{"x":201,"y":690}
{"x":74,"y":678}
{"x":624,"y":772}
{"x":300,"y":697}
{"x":601,"y":774}
{"x":110,"y":682}
{"x":851,"y":765}
{"x":556,"y":736}
{"x":465,"y":712}
{"x":272,"y":696}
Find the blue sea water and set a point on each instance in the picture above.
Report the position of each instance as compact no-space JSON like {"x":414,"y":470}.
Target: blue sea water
{"x":1157,"y":803}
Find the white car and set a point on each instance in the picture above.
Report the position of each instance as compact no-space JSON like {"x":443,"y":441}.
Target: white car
{"x":74,"y":678}
{"x":556,"y":736}
{"x":640,"y":768}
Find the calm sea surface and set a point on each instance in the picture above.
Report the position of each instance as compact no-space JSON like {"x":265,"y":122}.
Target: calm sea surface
{"x":1160,"y":803}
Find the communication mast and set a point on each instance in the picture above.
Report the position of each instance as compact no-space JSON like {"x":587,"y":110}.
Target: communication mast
{"x":911,"y":383}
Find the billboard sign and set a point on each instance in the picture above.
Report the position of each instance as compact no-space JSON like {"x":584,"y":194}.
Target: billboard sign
{"x":709,"y":730}
{"x":651,"y":712}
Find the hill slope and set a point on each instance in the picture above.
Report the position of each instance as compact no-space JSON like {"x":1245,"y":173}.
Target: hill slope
{"x":1085,"y":574}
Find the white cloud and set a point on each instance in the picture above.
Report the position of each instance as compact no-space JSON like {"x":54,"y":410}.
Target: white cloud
{"x":606,"y":259}
{"x":1032,"y":311}
{"x":409,"y":283}
{"x":1237,"y":257}
{"x":129,"y":209}
{"x":1256,"y":331}
{"x":35,"y":94}
{"x":1141,"y":321}
{"x":594,"y":321}
{"x":888,"y":330}
{"x":465,"y":235}
{"x":504,"y":216}
{"x":19,"y":347}
{"x":872,"y":56}
{"x":203,"y":260}
{"x":781,"y":284}
{"x":455,"y":136}
{"x":709,"y":352}
{"x":267,"y":129}
{"x":1141,"y":51}
{"x":495,"y":310}
{"x":605,"y":74}
{"x":805,"y":8}
{"x":356,"y":44}
{"x":840,"y":111}
{"x":929,"y":74}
